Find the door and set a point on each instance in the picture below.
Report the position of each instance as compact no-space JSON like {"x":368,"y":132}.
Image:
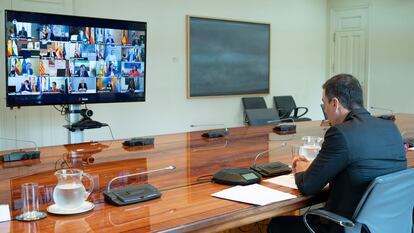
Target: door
{"x":349,"y":54}
{"x":349,"y":49}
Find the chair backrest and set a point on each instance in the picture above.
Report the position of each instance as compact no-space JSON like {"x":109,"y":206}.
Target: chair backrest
{"x":323,"y":111}
{"x":253,"y":102}
{"x":387,"y":205}
{"x":262,"y":116}
{"x":285,"y":105}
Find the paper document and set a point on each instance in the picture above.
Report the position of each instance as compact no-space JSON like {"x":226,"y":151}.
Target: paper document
{"x":411,"y":148}
{"x":4,"y":213}
{"x":286,"y":180}
{"x":253,"y":194}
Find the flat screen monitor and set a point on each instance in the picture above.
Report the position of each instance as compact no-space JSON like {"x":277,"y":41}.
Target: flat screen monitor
{"x":60,"y":59}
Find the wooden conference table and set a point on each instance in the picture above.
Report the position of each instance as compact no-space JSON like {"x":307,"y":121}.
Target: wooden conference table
{"x":185,"y":204}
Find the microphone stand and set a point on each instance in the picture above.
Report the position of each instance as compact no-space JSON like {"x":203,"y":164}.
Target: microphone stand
{"x":19,"y":140}
{"x":267,"y":151}
{"x":108,"y":187}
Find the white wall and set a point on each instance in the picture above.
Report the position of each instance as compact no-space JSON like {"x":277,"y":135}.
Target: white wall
{"x":392,"y":55}
{"x":298,"y":56}
{"x":391,"y":52}
{"x":40,"y":124}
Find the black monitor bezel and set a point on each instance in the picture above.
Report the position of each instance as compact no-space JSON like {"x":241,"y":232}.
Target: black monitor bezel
{"x":60,"y":19}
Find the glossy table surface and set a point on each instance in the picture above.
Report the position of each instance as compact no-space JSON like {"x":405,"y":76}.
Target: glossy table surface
{"x":185,"y":204}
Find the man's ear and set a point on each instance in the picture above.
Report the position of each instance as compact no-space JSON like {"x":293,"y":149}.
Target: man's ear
{"x":335,"y":102}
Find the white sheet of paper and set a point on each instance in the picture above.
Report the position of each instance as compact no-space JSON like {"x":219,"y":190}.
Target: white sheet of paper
{"x":253,"y":194}
{"x":411,"y":148}
{"x":285,"y":180}
{"x":4,"y":213}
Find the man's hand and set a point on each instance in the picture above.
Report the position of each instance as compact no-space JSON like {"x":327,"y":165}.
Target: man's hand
{"x":300,"y":164}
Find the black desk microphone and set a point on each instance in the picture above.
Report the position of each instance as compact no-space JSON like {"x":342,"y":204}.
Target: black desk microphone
{"x":272,"y":168}
{"x":133,"y":194}
{"x":390,"y":116}
{"x":215,"y":133}
{"x":284,"y":126}
{"x":20,"y":155}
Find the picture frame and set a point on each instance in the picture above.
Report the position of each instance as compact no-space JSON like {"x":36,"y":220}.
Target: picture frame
{"x":227,"y":57}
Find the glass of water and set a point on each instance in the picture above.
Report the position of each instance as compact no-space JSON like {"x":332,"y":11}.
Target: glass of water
{"x":30,"y":200}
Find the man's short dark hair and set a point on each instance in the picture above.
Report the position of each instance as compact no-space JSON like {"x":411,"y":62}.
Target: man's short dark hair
{"x":346,"y":88}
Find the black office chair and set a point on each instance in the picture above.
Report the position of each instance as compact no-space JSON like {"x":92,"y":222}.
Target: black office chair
{"x":387,"y":206}
{"x":323,"y":111}
{"x":262,"y":116}
{"x":253,"y":102}
{"x":287,"y":108}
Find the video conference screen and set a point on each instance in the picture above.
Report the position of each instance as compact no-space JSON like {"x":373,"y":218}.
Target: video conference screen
{"x":57,"y":59}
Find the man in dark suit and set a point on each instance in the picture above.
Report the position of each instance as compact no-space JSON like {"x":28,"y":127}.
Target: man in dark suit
{"x":356,"y":149}
{"x":82,"y":71}
{"x":82,"y":87}
{"x":22,"y":33}
{"x":26,"y":87}
{"x":51,"y":53}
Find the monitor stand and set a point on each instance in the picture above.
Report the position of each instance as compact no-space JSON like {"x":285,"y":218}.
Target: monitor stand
{"x":77,"y":135}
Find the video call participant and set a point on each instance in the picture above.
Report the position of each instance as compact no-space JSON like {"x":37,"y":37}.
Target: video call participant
{"x":141,"y":53}
{"x":109,"y":85}
{"x":99,"y":35}
{"x":81,"y":36}
{"x":131,"y":86}
{"x":54,"y":88}
{"x":22,"y":33}
{"x":100,"y":53}
{"x":111,"y":57}
{"x":134,"y":72}
{"x":47,"y":33}
{"x":111,"y":71}
{"x":356,"y":149}
{"x":29,"y":69}
{"x":100,"y":69}
{"x":109,"y":39}
{"x":26,"y":87}
{"x":134,"y":38}
{"x":76,"y":53}
{"x":131,"y":55}
{"x":82,"y":87}
{"x":51,"y":53}
{"x":82,"y":71}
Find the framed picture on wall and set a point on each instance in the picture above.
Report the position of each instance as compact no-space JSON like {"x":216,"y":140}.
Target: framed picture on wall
{"x":226,"y":57}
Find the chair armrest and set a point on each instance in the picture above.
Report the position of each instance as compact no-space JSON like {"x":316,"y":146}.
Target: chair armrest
{"x":297,"y":110}
{"x":286,"y":115}
{"x":342,"y":221}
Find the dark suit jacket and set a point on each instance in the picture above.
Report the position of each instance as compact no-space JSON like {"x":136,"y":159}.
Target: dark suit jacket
{"x":22,"y":34}
{"x":24,"y":88}
{"x":83,"y":74}
{"x":352,"y":155}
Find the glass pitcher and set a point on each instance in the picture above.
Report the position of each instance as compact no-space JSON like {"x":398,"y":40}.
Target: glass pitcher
{"x":311,"y":146}
{"x":70,"y":193}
